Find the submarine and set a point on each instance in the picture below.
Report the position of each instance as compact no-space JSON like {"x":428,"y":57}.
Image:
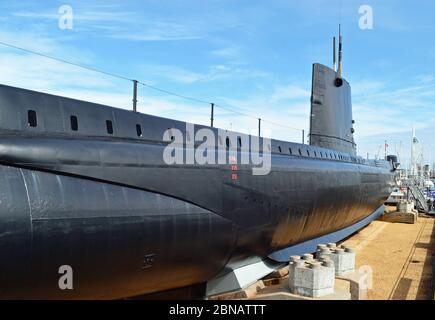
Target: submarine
{"x":85,"y":189}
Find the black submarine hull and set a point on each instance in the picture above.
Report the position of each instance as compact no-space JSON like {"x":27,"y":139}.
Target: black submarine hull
{"x":86,"y":186}
{"x":146,"y":231}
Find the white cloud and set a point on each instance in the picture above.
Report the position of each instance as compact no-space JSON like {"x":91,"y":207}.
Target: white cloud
{"x":227,"y":52}
{"x":284,"y":119}
{"x":386,"y":114}
{"x":290,"y":92}
{"x":366,"y":87}
{"x":184,"y":76}
{"x":149,"y":30}
{"x":115,"y":22}
{"x":153,"y":37}
{"x":39,"y":73}
{"x":174,"y":73}
{"x":118,"y":16}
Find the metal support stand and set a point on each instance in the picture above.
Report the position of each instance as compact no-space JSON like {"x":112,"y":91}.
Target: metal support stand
{"x":135,"y":95}
{"x":212,"y":114}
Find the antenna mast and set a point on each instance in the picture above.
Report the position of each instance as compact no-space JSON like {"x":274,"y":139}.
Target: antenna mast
{"x":339,"y":72}
{"x":340,"y":53}
{"x":334,"y":59}
{"x":413,"y":142}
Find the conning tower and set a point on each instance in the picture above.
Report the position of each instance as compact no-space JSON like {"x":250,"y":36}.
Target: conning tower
{"x":331,"y":122}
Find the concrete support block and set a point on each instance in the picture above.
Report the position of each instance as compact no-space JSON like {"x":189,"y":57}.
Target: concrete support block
{"x":404,"y":206}
{"x":320,"y":248}
{"x":280,"y":292}
{"x":331,"y":245}
{"x":358,"y":285}
{"x":405,"y":213}
{"x":343,"y":258}
{"x":292,"y":264}
{"x":311,"y":279}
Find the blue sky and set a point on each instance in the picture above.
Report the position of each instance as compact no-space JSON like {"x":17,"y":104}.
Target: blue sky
{"x":254,"y":56}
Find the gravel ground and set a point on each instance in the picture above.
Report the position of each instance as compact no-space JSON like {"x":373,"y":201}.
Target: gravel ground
{"x":400,"y":256}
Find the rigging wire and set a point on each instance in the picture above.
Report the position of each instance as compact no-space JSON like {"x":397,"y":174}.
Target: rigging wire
{"x":64,"y":61}
{"x":173,"y":93}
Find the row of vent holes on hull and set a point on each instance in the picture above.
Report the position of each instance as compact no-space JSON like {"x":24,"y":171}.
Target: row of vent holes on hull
{"x":32,"y":121}
{"x":332,"y":156}
{"x":227,"y":140}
